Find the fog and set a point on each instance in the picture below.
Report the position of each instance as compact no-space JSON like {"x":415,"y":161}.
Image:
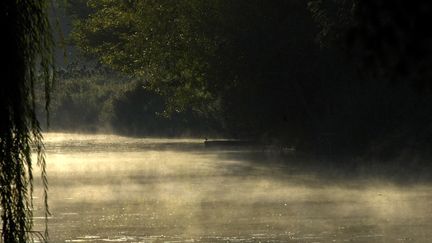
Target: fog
{"x":322,"y":110}
{"x":111,"y":188}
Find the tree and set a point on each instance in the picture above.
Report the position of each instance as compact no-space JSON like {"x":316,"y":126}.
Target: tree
{"x":258,"y":65}
{"x":159,"y":41}
{"x":248,"y":61}
{"x":27,"y":59}
{"x":389,"y":43}
{"x":389,"y":38}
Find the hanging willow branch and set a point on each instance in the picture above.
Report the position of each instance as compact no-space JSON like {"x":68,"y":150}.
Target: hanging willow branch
{"x":27,"y":58}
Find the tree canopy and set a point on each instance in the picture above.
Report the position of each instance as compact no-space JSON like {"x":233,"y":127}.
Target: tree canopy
{"x":200,"y":54}
{"x":391,"y":39}
{"x":268,"y":70}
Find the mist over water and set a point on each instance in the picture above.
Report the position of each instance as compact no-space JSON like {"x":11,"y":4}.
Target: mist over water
{"x":112,"y":188}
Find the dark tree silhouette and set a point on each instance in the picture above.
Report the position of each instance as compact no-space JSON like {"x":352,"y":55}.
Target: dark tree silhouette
{"x":395,"y":38}
{"x":390,"y":38}
{"x":27,"y":59}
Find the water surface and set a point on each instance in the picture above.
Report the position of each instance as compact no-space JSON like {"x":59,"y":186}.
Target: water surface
{"x":109,"y":188}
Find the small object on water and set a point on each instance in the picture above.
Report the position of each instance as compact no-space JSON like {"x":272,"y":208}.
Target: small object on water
{"x":232,"y":143}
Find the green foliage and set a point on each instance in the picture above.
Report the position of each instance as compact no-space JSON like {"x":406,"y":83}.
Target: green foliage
{"x":27,"y":54}
{"x":93,"y":100}
{"x":334,"y":18}
{"x":158,"y":41}
{"x":256,"y":67}
{"x":82,"y":99}
{"x":81,"y":102}
{"x":209,"y":56}
{"x":141,"y":111}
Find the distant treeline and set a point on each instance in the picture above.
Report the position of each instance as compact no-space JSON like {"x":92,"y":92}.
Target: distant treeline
{"x":323,"y":77}
{"x":100,"y":100}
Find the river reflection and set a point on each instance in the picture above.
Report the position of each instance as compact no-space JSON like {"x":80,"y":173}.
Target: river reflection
{"x":109,"y":188}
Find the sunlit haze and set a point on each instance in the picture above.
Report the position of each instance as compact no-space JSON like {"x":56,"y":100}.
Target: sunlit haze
{"x":112,"y":188}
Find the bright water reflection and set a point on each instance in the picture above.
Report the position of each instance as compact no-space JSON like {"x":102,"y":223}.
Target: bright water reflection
{"x":110,"y":188}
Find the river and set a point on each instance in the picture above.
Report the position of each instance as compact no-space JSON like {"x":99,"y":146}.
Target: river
{"x":106,"y":188}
